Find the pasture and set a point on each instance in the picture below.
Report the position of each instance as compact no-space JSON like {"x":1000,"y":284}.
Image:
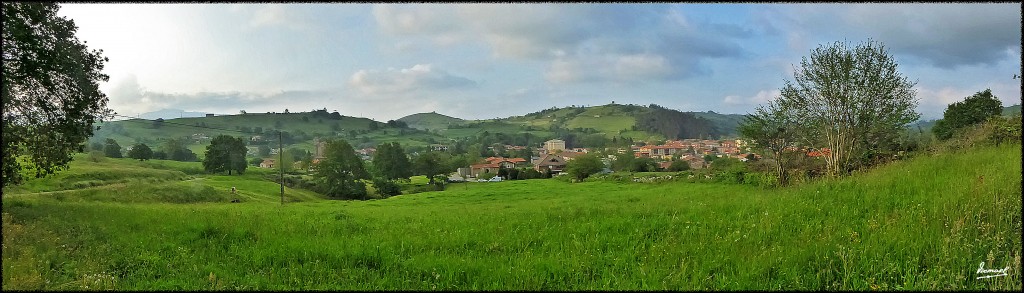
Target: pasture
{"x":921,"y":224}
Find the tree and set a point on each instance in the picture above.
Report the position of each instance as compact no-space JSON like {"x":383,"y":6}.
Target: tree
{"x":678,"y":165}
{"x":112,"y":149}
{"x":51,"y":95}
{"x":176,"y":149}
{"x":386,"y":188}
{"x":644,"y":165}
{"x":263,"y":151}
{"x":772,"y":129}
{"x":852,"y":101}
{"x":338,"y":174}
{"x":972,"y":110}
{"x":584,"y":166}
{"x":624,"y":162}
{"x":225,"y":153}
{"x":140,"y":152}
{"x":429,"y":164}
{"x":390,"y":162}
{"x":96,"y":146}
{"x":159,"y":122}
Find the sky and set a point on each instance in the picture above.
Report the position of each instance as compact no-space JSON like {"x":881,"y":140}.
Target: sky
{"x":483,"y":61}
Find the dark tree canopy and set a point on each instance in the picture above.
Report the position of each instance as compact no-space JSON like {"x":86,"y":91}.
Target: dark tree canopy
{"x":225,"y":153}
{"x":972,"y":110}
{"x":112,"y":149}
{"x":51,"y":96}
{"x":141,"y":152}
{"x":339,"y":172}
{"x":584,"y":166}
{"x":390,"y":161}
{"x":430,"y":164}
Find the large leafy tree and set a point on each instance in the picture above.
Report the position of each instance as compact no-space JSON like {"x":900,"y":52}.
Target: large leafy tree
{"x":50,"y":90}
{"x":851,"y":100}
{"x":338,"y":174}
{"x":584,"y":166}
{"x":391,"y":163}
{"x":972,"y":110}
{"x":773,"y":129}
{"x":225,"y":153}
{"x":430,"y":164}
{"x":112,"y":149}
{"x":177,"y":149}
{"x":141,"y":152}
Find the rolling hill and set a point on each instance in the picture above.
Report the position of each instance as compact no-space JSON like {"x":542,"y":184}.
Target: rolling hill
{"x":1007,"y":111}
{"x":430,"y":121}
{"x":579,"y":126}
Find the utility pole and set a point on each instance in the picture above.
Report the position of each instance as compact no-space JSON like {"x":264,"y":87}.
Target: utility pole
{"x":280,"y":163}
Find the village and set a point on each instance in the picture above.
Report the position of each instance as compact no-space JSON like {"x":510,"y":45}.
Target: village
{"x":553,"y":156}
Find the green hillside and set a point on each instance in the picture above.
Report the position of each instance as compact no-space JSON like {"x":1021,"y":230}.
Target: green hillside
{"x":1008,"y":111}
{"x":430,"y":121}
{"x":577,"y":125}
{"x":921,"y":224}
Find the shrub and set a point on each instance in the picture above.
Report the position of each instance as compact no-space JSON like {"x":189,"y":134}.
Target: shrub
{"x":994,"y":131}
{"x":386,"y":188}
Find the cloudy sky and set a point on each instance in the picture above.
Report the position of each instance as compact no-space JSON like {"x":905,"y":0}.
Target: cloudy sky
{"x":482,"y":61}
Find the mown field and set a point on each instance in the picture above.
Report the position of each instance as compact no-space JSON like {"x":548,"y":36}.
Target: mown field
{"x":921,"y":224}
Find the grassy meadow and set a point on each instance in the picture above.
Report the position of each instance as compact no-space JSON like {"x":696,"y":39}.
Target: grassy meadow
{"x":921,"y":224}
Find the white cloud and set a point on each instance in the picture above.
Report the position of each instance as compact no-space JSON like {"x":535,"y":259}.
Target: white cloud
{"x":582,"y":42}
{"x":933,"y":101}
{"x":277,"y":15}
{"x":760,"y":98}
{"x":418,"y":77}
{"x":615,"y":68}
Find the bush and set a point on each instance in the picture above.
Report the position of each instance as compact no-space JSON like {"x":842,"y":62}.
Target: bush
{"x":486,"y":176}
{"x":386,"y":188}
{"x":96,"y":156}
{"x":1004,"y":130}
{"x":760,"y":179}
{"x":994,"y":131}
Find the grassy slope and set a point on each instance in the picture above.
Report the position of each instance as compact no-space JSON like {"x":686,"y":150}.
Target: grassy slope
{"x":923,"y":224}
{"x":612,"y":120}
{"x":432,"y":121}
{"x":1010,"y":110}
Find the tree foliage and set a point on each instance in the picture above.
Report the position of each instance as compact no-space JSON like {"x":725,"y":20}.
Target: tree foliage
{"x":678,"y":165}
{"x":852,"y":101}
{"x":386,"y":188}
{"x":772,"y":129}
{"x":225,"y":153}
{"x":338,"y":174}
{"x":177,"y":149}
{"x":51,"y":96}
{"x":141,"y":152}
{"x":390,"y":162}
{"x":972,"y":110}
{"x":583,"y":166}
{"x":430,"y":164}
{"x":674,"y":124}
{"x":111,"y":149}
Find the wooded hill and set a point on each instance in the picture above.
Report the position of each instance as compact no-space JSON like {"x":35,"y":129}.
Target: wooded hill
{"x":579,"y":126}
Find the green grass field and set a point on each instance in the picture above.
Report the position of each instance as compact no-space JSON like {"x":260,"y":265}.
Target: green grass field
{"x":921,"y":224}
